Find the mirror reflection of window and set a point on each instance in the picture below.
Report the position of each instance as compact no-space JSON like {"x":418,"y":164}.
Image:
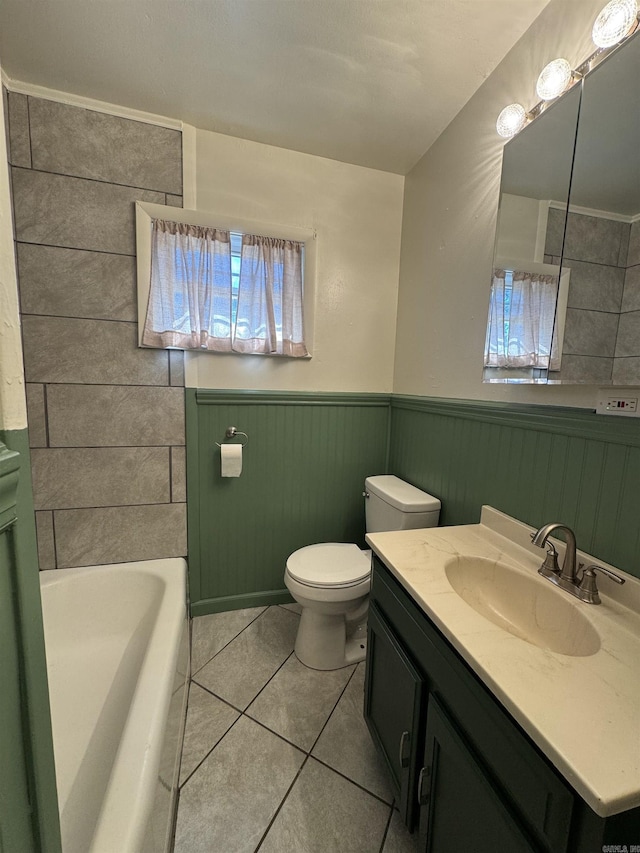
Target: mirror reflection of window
{"x":534,"y":192}
{"x":520,"y":329}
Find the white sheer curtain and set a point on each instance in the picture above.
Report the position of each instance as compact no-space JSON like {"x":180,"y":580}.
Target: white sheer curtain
{"x":190,"y":295}
{"x":269,"y":316}
{"x":192,"y":303}
{"x":520,"y":330}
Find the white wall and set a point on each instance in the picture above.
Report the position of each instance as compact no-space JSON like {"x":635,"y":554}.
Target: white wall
{"x":357,"y":215}
{"x":13,"y":410}
{"x":520,"y":234}
{"x":451,"y":200}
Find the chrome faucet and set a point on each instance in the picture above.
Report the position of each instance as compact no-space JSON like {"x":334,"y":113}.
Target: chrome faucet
{"x":566,"y":578}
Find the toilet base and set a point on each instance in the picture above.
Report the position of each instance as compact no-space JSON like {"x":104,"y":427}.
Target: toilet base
{"x":328,"y":641}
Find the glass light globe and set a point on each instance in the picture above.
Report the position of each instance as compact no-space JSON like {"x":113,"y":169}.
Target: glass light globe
{"x":614,"y":22}
{"x":554,"y":79}
{"x":512,"y":119}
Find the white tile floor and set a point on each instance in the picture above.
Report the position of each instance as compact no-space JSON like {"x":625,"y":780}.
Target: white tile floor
{"x":277,"y":757}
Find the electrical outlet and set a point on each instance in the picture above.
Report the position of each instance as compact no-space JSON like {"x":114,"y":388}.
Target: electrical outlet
{"x":610,"y":403}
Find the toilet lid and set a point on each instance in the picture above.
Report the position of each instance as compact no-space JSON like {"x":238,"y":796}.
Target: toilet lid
{"x":330,"y":564}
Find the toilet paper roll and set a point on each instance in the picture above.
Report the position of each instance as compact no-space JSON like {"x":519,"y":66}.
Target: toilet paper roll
{"x":231,"y":460}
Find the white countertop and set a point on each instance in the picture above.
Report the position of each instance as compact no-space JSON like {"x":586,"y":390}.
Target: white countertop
{"x":582,"y":712}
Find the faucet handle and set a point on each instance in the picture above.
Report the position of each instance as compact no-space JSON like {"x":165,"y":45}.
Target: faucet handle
{"x":550,"y":565}
{"x":607,"y":572}
{"x":588,"y":590}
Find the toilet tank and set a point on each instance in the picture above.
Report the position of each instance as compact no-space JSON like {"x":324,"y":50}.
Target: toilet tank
{"x":392,"y":504}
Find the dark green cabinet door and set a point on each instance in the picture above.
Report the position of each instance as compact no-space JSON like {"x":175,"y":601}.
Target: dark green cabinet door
{"x":394,"y":693}
{"x":459,"y":808}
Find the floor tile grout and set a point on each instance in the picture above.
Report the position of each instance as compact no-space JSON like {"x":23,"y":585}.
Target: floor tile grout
{"x":268,"y":681}
{"x":306,"y":753}
{"x":281,"y":803}
{"x":326,"y":722}
{"x":278,"y":734}
{"x":199,"y":765}
{"x":353,"y":781}
{"x":386,"y":830}
{"x":235,"y":637}
{"x":226,"y":701}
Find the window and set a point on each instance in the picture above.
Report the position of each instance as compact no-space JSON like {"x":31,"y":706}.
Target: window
{"x":214,"y":289}
{"x":522,"y":312}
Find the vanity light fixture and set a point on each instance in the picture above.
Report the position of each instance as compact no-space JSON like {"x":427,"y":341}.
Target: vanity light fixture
{"x":554,"y":79}
{"x":615,"y":21}
{"x":511,"y":120}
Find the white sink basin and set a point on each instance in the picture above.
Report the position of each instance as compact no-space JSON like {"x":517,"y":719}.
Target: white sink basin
{"x":526,"y":606}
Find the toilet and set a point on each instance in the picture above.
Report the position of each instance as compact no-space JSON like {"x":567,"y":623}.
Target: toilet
{"x":331,"y":581}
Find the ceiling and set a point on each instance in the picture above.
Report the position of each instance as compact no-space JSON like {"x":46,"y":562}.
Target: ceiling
{"x":371,"y":82}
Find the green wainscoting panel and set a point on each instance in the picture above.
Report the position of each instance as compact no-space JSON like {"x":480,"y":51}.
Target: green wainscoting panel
{"x":536,"y":463}
{"x":302,"y":480}
{"x":28,"y":800}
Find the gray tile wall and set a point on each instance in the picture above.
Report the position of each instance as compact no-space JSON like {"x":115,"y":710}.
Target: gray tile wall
{"x":106,"y":419}
{"x":626,"y":364}
{"x":596,"y":250}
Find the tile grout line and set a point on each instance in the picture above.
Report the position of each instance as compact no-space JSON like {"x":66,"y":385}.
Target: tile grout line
{"x":29,"y":133}
{"x":82,"y":384}
{"x":73,"y":248}
{"x":226,"y":644}
{"x":277,"y":734}
{"x":104,"y":446}
{"x":241,"y":713}
{"x":253,"y":719}
{"x":55,"y":544}
{"x":306,"y":752}
{"x":386,"y":830}
{"x":90,"y":319}
{"x":199,"y":765}
{"x":282,"y":802}
{"x":45,"y":402}
{"x":326,"y":722}
{"x":32,"y":168}
{"x":271,"y":677}
{"x":107,"y":506}
{"x":170,"y":469}
{"x":353,"y":781}
{"x":102,"y":384}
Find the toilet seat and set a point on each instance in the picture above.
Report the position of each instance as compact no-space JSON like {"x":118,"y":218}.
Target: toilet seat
{"x":330,"y":565}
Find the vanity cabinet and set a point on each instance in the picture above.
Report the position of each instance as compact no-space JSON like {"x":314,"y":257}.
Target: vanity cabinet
{"x":394,"y":697}
{"x":464,"y":774}
{"x":460,"y":808}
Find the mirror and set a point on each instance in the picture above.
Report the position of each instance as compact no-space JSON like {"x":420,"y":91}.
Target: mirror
{"x":583,"y":268}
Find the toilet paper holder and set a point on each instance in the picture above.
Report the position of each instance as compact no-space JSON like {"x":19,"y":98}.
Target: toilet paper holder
{"x":232,"y":432}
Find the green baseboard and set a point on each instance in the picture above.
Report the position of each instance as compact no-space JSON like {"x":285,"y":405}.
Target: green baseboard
{"x":239,"y":602}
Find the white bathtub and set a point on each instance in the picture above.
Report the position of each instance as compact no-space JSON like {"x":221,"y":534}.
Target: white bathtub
{"x":117,"y":656}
